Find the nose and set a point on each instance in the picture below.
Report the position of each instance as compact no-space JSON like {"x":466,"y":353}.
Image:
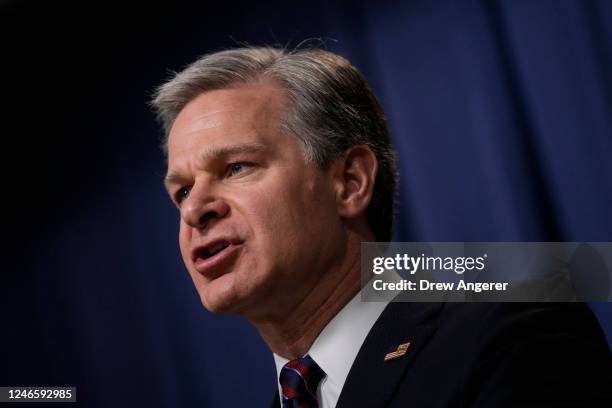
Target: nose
{"x":200,"y":208}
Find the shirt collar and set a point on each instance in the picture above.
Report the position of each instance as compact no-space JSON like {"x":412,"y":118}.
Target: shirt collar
{"x":337,"y":345}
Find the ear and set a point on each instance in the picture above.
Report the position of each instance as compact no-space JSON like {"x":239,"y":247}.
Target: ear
{"x":354,"y":176}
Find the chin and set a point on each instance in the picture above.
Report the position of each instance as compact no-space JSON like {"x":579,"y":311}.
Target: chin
{"x":228,"y":294}
{"x":216,"y":308}
{"x":221,"y":303}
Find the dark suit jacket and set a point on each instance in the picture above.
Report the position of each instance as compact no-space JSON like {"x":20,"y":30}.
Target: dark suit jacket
{"x":482,"y":355}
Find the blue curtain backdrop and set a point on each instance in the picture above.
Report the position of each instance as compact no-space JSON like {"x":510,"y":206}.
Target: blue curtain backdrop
{"x":501,"y":112}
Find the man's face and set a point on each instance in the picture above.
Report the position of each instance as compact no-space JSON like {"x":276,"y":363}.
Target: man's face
{"x":259,"y":224}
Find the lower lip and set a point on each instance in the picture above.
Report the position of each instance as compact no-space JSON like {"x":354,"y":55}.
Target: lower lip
{"x":215,"y":265}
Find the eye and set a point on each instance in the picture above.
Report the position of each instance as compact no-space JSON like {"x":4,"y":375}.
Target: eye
{"x":182,"y":194}
{"x":237,"y":168}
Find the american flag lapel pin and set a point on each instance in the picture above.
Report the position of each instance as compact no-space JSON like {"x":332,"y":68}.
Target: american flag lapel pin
{"x":400,"y":352}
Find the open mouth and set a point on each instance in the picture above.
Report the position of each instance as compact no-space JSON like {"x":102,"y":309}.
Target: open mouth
{"x":215,"y":258}
{"x":209,"y":252}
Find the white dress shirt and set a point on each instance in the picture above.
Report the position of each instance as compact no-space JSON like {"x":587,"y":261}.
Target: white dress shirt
{"x":337,"y":345}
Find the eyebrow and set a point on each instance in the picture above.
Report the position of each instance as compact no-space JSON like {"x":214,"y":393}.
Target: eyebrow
{"x":217,"y":153}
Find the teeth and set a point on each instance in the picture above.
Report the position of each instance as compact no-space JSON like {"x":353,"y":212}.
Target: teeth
{"x":217,"y":247}
{"x":212,"y":251}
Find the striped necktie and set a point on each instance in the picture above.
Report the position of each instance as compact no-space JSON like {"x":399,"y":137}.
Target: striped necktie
{"x":299,"y":381}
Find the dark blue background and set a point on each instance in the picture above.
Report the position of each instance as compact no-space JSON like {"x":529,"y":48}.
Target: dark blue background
{"x":501,"y":113}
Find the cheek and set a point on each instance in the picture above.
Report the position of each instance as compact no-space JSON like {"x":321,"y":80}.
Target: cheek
{"x":184,"y":241}
{"x":290,"y":214}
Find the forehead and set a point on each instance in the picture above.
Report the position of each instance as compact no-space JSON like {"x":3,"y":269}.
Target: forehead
{"x":249,"y":113}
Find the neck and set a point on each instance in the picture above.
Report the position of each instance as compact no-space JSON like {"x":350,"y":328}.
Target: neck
{"x":293,"y":334}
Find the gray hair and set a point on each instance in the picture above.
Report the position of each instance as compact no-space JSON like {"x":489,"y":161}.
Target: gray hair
{"x":331,"y":108}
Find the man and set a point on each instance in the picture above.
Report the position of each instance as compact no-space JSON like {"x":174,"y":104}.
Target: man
{"x":280,"y":164}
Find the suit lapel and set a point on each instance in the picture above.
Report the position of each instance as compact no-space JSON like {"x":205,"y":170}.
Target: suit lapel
{"x":371,"y":382}
{"x":275,"y":403}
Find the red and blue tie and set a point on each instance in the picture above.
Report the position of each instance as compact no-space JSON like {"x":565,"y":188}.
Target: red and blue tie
{"x":299,"y":381}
